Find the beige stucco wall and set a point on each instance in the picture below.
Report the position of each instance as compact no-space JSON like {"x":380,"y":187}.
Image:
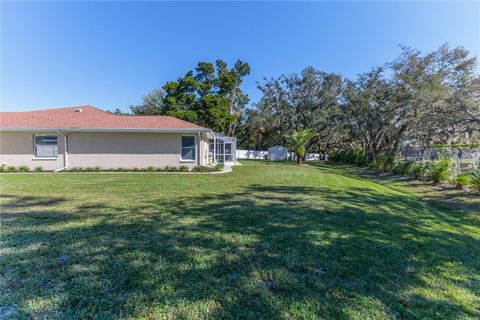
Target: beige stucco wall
{"x":16,"y":149}
{"x":106,"y":150}
{"x":204,"y":146}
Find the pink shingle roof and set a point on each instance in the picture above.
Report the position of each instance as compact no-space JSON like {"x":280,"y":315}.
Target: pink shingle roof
{"x":88,"y":117}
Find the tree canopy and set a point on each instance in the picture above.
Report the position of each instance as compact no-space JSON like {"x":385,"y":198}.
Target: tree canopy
{"x":292,"y":102}
{"x":210,"y":96}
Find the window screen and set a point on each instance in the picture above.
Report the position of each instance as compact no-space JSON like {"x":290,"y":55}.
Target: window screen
{"x":45,"y":146}
{"x":188,"y":148}
{"x":228,"y":148}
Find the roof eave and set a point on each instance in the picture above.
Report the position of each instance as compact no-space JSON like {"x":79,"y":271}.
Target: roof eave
{"x":159,"y":130}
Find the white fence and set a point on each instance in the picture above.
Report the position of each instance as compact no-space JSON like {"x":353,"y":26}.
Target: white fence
{"x":252,"y":154}
{"x":464,"y":157}
{"x":261,"y":155}
{"x":308,"y":156}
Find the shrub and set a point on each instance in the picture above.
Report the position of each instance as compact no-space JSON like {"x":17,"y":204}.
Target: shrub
{"x":203,"y":169}
{"x":475,"y":180}
{"x":218,"y":167}
{"x":23,"y":169}
{"x":361,"y":159}
{"x":11,"y":169}
{"x":183,"y":169}
{"x":3,"y":168}
{"x":169,"y":169}
{"x":440,"y":170}
{"x":417,"y":170}
{"x":333,"y":156}
{"x":384,"y":162}
{"x":461,"y":181}
{"x":338,"y":156}
{"x":357,"y":157}
{"x":403,"y":168}
{"x":398,"y":166}
{"x":350,"y":157}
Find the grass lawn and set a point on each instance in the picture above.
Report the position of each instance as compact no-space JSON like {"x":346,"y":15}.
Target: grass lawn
{"x":267,"y":241}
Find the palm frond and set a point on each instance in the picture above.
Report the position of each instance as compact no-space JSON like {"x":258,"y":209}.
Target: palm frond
{"x":301,"y":137}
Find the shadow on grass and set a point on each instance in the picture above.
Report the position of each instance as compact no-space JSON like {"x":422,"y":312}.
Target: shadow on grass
{"x":31,"y":201}
{"x":265,"y":252}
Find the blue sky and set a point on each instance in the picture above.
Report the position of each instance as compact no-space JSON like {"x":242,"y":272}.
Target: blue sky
{"x":109,"y":54}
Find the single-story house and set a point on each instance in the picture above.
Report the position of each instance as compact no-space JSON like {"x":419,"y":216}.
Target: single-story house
{"x":85,"y":136}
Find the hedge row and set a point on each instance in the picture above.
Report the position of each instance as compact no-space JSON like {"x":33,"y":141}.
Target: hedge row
{"x":441,"y":170}
{"x":218,"y":167}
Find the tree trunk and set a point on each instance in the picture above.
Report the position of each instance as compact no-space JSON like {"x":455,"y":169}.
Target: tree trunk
{"x":325,"y":152}
{"x":371,"y":153}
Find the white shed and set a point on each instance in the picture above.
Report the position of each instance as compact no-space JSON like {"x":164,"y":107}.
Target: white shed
{"x":278,"y":153}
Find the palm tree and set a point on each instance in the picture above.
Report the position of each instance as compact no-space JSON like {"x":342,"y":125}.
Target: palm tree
{"x":299,"y":140}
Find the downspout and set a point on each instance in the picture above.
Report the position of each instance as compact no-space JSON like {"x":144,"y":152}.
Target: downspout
{"x":65,"y":151}
{"x":234,"y":147}
{"x":214,"y":149}
{"x":200,"y":161}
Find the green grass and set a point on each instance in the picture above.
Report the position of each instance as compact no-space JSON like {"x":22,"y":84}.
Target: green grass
{"x":267,"y":241}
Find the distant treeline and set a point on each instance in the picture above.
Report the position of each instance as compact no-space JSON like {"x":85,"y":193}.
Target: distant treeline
{"x":417,"y":99}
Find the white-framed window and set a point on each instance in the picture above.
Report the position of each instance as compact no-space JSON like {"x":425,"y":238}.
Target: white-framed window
{"x":45,"y":146}
{"x":188,"y":148}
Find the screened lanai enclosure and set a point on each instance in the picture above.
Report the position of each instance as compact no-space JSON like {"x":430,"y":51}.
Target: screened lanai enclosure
{"x":222,"y":148}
